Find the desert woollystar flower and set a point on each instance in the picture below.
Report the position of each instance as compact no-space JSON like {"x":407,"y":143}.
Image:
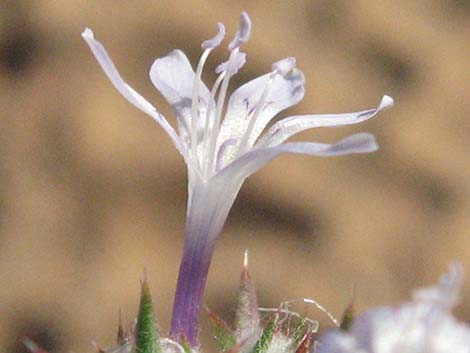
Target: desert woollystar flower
{"x":222,"y":144}
{"x":425,"y":325}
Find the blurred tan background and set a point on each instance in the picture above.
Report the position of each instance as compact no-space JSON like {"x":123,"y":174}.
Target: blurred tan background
{"x":92,"y":192}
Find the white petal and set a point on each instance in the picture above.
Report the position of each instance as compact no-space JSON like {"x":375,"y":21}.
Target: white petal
{"x":288,"y":127}
{"x":255,"y":159}
{"x":337,"y":341}
{"x":128,"y":92}
{"x":424,"y":325}
{"x":446,"y":292}
{"x":284,"y":66}
{"x":410,"y":327}
{"x":174,"y":77}
{"x":285,"y":92}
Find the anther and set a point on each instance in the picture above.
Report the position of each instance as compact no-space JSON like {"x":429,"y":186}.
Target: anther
{"x":284,"y":66}
{"x":238,"y":61}
{"x":215,"y":41}
{"x":243,"y":33}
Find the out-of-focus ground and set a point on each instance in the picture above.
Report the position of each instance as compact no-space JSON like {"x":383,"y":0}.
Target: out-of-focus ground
{"x":92,"y":192}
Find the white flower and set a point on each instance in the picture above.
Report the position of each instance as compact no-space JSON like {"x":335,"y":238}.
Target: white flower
{"x":424,"y":325}
{"x":223,"y":145}
{"x":230,"y":146}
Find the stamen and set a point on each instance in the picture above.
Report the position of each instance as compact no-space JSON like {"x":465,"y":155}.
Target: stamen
{"x":243,"y":33}
{"x":239,"y":61}
{"x":219,"y":108}
{"x":246,"y":136}
{"x":208,"y":127}
{"x":207,"y":45}
{"x":215,"y":41}
{"x":195,"y":101}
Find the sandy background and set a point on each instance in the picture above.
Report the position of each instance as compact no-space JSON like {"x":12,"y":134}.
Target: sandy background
{"x":91,"y":191}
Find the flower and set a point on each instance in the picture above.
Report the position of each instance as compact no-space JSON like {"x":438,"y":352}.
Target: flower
{"x":425,"y":325}
{"x":222,"y":146}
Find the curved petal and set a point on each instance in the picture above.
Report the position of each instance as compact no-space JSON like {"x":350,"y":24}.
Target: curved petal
{"x":424,"y":325}
{"x":127,"y":91}
{"x":446,"y":293}
{"x":288,"y":127}
{"x":285,"y":91}
{"x":285,"y":65}
{"x":337,"y":341}
{"x":174,"y":77}
{"x":255,"y":159}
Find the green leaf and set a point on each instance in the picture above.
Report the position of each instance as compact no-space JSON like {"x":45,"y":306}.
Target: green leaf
{"x":347,"y":319}
{"x":146,"y":336}
{"x":266,"y":337}
{"x":222,"y":332}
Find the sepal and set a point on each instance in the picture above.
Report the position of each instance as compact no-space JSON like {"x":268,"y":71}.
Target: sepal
{"x":347,"y":318}
{"x":223,"y":334}
{"x":247,"y":321}
{"x":146,"y":335}
{"x":263,"y":343}
{"x":305,"y":344}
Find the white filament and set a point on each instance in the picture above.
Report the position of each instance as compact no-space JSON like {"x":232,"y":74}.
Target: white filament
{"x":195,"y":101}
{"x":208,"y":128}
{"x":259,"y":106}
{"x":219,"y":108}
{"x":317,"y":305}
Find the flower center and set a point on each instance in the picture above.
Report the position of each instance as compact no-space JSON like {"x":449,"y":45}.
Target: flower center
{"x":210,"y":157}
{"x":207,"y":153}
